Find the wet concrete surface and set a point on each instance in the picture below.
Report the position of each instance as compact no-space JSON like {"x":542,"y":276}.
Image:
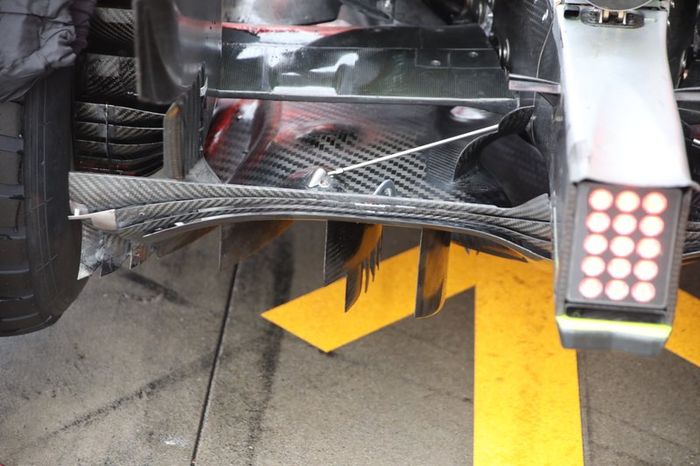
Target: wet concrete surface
{"x":121,"y":378}
{"x":171,"y":363}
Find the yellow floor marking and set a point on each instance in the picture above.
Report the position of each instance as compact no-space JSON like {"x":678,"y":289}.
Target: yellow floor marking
{"x":526,"y":386}
{"x":318,"y":319}
{"x":685,"y":337}
{"x":526,"y":397}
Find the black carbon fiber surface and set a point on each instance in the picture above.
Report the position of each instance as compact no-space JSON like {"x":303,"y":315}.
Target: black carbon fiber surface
{"x":352,"y":250}
{"x":115,"y":150}
{"x":527,"y":226}
{"x":113,"y":25}
{"x":512,"y":123}
{"x":148,"y":210}
{"x":523,"y":28}
{"x":114,"y":132}
{"x":117,"y":115}
{"x":241,"y":131}
{"x":148,"y":206}
{"x":350,"y":245}
{"x":521,"y":170}
{"x":297,"y":137}
{"x":101,"y":132}
{"x":141,"y":163}
{"x":397,"y":64}
{"x":103,"y":146}
{"x":108,"y":76}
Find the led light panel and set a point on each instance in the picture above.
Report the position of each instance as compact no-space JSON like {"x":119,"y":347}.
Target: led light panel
{"x":623,"y":246}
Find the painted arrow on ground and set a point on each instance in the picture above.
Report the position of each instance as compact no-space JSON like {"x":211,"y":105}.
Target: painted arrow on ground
{"x":526,"y":393}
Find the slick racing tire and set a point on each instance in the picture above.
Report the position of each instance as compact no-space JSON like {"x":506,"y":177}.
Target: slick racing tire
{"x":39,"y":246}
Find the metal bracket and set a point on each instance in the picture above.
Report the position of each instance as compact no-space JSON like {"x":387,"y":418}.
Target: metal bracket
{"x":607,"y":18}
{"x":105,"y":220}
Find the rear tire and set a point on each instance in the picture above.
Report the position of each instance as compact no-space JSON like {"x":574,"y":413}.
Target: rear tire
{"x":39,"y":246}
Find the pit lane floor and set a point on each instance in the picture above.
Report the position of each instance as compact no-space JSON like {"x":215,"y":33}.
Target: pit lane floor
{"x":171,"y":361}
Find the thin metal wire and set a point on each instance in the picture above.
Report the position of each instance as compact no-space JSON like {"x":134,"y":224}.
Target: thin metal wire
{"x":478,"y":132}
{"x":688,"y":94}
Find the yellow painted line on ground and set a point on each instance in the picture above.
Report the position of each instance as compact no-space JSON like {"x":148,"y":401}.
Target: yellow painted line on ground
{"x":527,"y":407}
{"x":526,"y":395}
{"x":318,"y":317}
{"x":526,"y":386}
{"x":685,"y":337}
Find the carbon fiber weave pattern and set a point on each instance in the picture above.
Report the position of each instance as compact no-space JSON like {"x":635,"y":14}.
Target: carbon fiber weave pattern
{"x":108,"y":76}
{"x":114,"y":132}
{"x":117,"y":115}
{"x":151,"y":205}
{"x":240,"y":131}
{"x":114,"y":25}
{"x":117,"y":133}
{"x":146,"y":209}
{"x":116,"y":150}
{"x":311,"y":135}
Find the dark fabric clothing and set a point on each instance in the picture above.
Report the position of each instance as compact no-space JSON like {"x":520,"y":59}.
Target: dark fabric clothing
{"x":36,"y":37}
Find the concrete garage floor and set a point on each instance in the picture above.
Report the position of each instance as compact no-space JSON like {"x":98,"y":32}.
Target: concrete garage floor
{"x":171,"y":362}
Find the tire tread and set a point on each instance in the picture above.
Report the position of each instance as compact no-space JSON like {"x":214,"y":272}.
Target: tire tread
{"x":39,"y":247}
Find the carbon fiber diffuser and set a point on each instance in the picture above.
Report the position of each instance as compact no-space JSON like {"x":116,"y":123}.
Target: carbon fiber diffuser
{"x":109,"y":76}
{"x":114,"y":132}
{"x":98,"y":132}
{"x":114,"y":25}
{"x":273,"y":152}
{"x":116,"y":150}
{"x":289,"y":137}
{"x":432,"y":272}
{"x":117,"y":115}
{"x":354,"y":250}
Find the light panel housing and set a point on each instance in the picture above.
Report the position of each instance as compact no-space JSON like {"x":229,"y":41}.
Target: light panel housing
{"x":622,"y":266}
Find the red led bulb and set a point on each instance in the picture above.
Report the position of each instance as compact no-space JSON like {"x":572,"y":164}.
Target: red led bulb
{"x":654,"y":203}
{"x":643,"y":292}
{"x":590,"y":288}
{"x":627,"y":201}
{"x":646,"y":270}
{"x":595,"y":244}
{"x":593,"y":266}
{"x":600,"y":199}
{"x":619,"y":268}
{"x":617,"y":290}
{"x":651,"y":225}
{"x":624,"y":224}
{"x":649,"y":248}
{"x":598,"y":222}
{"x":622,"y":246}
